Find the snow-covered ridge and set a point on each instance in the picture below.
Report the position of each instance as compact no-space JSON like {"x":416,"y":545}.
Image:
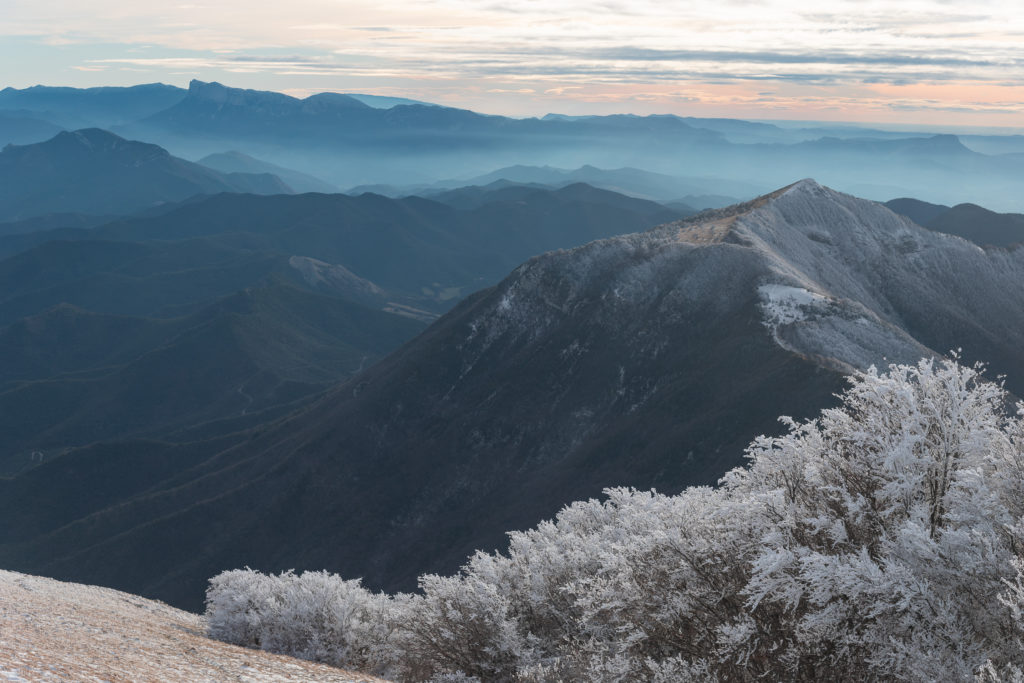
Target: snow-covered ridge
{"x":877,"y":283}
{"x":56,"y":631}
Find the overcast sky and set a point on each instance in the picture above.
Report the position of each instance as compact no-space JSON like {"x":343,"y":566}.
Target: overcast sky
{"x":913,"y":61}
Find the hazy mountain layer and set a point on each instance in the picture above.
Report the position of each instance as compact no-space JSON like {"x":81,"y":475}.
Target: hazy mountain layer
{"x":236,"y":162}
{"x":631,"y":181}
{"x":17,"y":128}
{"x":91,"y":107}
{"x":95,"y":172}
{"x":920,"y":212}
{"x":403,"y":143}
{"x":422,"y":253}
{"x":49,"y":222}
{"x":346,"y":142}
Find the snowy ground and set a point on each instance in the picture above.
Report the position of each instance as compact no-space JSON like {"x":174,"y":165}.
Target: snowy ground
{"x":54,"y":631}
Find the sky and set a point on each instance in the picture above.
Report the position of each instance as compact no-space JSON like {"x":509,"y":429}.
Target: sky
{"x":932,"y":62}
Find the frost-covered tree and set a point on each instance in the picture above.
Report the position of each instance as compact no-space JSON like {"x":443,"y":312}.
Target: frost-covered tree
{"x":890,"y":524}
{"x":882,"y":540}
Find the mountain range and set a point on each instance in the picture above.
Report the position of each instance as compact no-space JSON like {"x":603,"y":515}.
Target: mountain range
{"x":647,"y":359}
{"x":210,"y":316}
{"x":236,"y":162}
{"x":102,"y":107}
{"x":92,"y":171}
{"x":347,"y":142}
{"x":420,"y":252}
{"x":688,"y":193}
{"x":326,"y":134}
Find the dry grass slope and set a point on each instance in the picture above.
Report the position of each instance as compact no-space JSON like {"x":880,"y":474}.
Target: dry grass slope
{"x":55,"y":631}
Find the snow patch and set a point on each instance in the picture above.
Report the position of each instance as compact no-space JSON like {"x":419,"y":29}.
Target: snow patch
{"x":783,"y":304}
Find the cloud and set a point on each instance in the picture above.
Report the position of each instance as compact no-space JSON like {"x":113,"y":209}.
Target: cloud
{"x":579,"y":50}
{"x":891,"y":59}
{"x":562,"y":90}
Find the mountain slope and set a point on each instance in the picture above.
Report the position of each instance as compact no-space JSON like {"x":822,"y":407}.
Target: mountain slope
{"x":920,"y":212}
{"x":210,"y":108}
{"x":128,"y":278}
{"x":52,"y":221}
{"x":236,"y":162}
{"x":970,"y":221}
{"x":17,"y":128}
{"x":980,"y":225}
{"x":70,"y":377}
{"x":95,"y":172}
{"x":57,"y":631}
{"x":648,"y":359}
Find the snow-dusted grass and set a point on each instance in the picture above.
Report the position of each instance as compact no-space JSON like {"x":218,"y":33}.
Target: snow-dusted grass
{"x":882,"y":541}
{"x":56,"y":631}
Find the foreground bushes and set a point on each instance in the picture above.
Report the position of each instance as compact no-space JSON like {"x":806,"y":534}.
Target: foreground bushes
{"x":883,"y":540}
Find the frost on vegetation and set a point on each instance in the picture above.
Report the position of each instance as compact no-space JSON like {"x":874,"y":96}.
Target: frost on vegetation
{"x":783,"y":304}
{"x":315,"y":615}
{"x":883,"y":540}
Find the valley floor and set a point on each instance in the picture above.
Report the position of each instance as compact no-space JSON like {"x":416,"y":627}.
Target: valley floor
{"x":55,"y":631}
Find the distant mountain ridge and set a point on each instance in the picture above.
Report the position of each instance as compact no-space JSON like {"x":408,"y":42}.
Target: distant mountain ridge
{"x":386,"y":102}
{"x":916,"y":210}
{"x":237,"y":162}
{"x":101,"y":107}
{"x":425,"y":253}
{"x":348,"y":143}
{"x":692,"y":193}
{"x":632,"y":181}
{"x":18,"y":128}
{"x":970,"y":221}
{"x":93,"y":171}
{"x":981,"y":225}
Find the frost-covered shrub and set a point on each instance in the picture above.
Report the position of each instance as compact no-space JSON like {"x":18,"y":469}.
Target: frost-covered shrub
{"x":883,"y":540}
{"x":446,"y":626}
{"x":235,"y":605}
{"x":890,"y":524}
{"x":313,"y":615}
